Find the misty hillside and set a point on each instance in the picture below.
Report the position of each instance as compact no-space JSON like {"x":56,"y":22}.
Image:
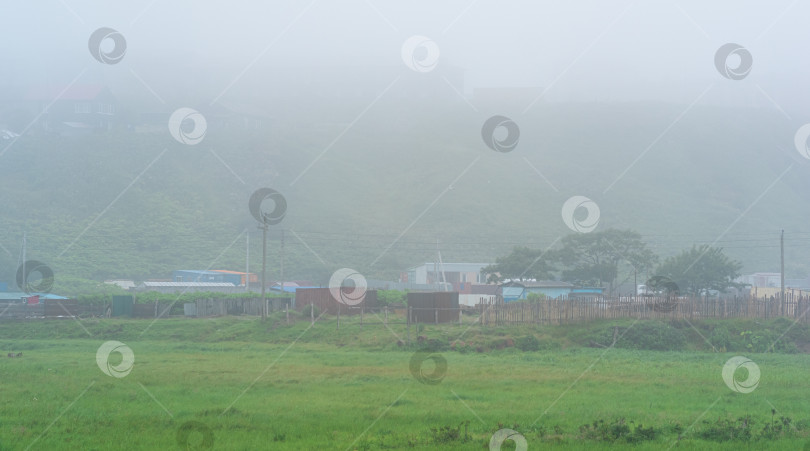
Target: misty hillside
{"x":377,"y":194}
{"x":676,"y":120}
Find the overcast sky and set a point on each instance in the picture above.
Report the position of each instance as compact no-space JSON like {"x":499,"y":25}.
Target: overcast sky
{"x":580,"y":51}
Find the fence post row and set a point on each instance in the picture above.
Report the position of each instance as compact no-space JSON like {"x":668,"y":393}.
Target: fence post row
{"x":490,"y":312}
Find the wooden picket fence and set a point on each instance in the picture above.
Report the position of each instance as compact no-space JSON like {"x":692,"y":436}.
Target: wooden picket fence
{"x":60,"y":308}
{"x":569,"y":310}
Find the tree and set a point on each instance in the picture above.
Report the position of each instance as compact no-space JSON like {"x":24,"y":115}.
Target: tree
{"x":700,"y":269}
{"x":521,"y":264}
{"x":388,"y":297}
{"x":594,"y":258}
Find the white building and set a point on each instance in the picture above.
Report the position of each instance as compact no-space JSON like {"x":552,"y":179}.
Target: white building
{"x":453,"y":273}
{"x":762,"y":279}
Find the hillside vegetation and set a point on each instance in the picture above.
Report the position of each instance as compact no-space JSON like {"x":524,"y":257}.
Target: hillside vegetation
{"x":138,"y":205}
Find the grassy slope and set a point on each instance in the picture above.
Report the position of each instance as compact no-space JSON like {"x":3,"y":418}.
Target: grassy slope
{"x":188,"y":209}
{"x":325,"y":389}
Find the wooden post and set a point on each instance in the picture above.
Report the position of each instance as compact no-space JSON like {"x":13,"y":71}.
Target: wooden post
{"x":691,"y":308}
{"x":311,"y":313}
{"x":409,"y":325}
{"x":459,"y":315}
{"x":264,"y":265}
{"x":436,"y":314}
{"x":386,"y":314}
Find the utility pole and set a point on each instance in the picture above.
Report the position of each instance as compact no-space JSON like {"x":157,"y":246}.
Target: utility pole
{"x":282,"y":261}
{"x":24,"y":275}
{"x":264,"y":267}
{"x":441,"y":265}
{"x":266,"y":220}
{"x":782,"y":248}
{"x":247,"y":261}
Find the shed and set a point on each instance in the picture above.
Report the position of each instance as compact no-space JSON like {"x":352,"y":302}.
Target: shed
{"x":434,"y":307}
{"x":122,"y":305}
{"x":323,"y":299}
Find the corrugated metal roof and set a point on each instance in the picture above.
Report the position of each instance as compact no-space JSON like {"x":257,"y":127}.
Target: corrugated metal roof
{"x":188,"y":284}
{"x":17,"y":295}
{"x":289,"y":288}
{"x":587,"y":290}
{"x":198,"y":271}
{"x":541,"y":284}
{"x":454,"y":267}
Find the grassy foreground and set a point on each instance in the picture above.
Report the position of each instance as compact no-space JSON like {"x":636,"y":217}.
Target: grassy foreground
{"x":235,"y":383}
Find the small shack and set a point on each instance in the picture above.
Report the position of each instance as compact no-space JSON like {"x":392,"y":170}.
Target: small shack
{"x":437,"y":307}
{"x":323,"y":299}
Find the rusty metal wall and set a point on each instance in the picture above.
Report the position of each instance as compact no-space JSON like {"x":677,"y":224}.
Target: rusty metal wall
{"x":424,"y":306}
{"x":61,"y":307}
{"x":322,"y":299}
{"x":242,"y":306}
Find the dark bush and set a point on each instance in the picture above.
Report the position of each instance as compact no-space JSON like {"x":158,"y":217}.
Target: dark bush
{"x":654,"y":336}
{"x":447,"y":434}
{"x":723,"y":429}
{"x":720,"y":338}
{"x":528,"y":343}
{"x":617,"y":430}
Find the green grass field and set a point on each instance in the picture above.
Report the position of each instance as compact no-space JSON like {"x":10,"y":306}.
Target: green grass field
{"x":234,"y":383}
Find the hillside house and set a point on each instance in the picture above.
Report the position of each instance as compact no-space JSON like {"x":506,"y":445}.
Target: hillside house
{"x":516,"y":291}
{"x":452,"y":273}
{"x":72,"y":110}
{"x":235,"y":278}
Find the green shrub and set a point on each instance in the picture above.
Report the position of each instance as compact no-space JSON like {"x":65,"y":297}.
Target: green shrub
{"x":528,"y":343}
{"x":618,"y":430}
{"x":388,"y":297}
{"x":764,"y":340}
{"x":720,"y":338}
{"x":535,"y":297}
{"x":723,"y":429}
{"x":447,"y":434}
{"x":653,"y":336}
{"x":310,"y":310}
{"x":433,"y":345}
